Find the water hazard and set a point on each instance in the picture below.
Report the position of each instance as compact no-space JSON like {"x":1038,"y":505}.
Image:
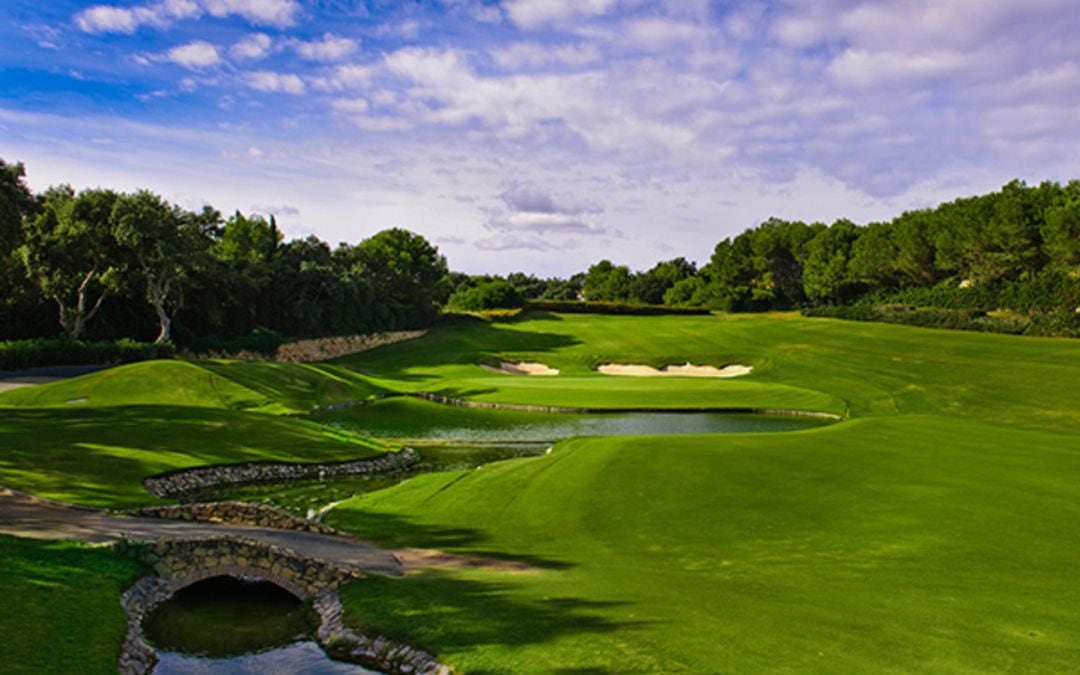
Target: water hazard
{"x":229,"y":626}
{"x":415,"y":420}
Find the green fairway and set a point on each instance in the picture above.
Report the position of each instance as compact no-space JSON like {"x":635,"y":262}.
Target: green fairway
{"x":931,"y":530}
{"x":62,"y":609}
{"x":99,"y":457}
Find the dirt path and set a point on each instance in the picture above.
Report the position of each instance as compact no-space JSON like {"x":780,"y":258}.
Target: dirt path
{"x":22,"y":515}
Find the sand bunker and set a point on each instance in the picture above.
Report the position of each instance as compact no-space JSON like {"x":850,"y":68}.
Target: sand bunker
{"x":522,"y":368}
{"x":686,"y":370}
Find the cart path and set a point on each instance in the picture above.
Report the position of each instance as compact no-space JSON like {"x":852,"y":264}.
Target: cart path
{"x":23,"y":515}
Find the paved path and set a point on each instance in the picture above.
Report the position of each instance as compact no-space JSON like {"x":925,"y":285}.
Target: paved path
{"x":13,"y":379}
{"x":25,"y":516}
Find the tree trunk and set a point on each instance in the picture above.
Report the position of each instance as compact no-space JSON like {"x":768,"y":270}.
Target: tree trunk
{"x":159,"y":293}
{"x":165,"y":322}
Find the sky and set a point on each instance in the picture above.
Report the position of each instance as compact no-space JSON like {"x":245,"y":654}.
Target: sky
{"x":543,"y":135}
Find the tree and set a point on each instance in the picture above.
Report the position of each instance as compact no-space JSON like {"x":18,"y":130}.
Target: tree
{"x":69,"y":252}
{"x":16,"y":201}
{"x":827,"y":275}
{"x":497,"y":294}
{"x":407,"y":273}
{"x":163,"y":241}
{"x":608,"y":282}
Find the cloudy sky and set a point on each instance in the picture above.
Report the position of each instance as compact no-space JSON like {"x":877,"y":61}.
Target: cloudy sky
{"x":542,"y":135}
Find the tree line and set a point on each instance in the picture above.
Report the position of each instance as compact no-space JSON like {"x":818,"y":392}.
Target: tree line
{"x":104,"y":265}
{"x":1016,"y":248}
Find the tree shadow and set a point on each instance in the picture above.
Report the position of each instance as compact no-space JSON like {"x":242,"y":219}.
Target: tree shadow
{"x":100,"y":456}
{"x":394,"y":531}
{"x":445,"y":613}
{"x":457,"y":344}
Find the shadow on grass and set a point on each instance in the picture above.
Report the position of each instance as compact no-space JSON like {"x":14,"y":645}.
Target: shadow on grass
{"x":459,"y":344}
{"x":392,"y":531}
{"x":99,"y":456}
{"x":447,"y":613}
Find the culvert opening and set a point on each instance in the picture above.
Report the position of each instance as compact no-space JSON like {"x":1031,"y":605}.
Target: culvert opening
{"x":226,"y":616}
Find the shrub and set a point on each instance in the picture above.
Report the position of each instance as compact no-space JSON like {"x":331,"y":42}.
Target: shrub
{"x":22,"y":354}
{"x":488,"y":295}
{"x":576,"y":307}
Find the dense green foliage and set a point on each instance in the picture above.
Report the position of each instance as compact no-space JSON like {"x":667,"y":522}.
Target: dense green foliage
{"x":103,"y":265}
{"x":62,"y":612}
{"x":21,"y":354}
{"x":496,"y":294}
{"x":607,"y":307}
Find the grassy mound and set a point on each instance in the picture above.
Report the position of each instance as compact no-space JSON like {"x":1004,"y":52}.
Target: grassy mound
{"x":235,"y":385}
{"x":99,"y":456}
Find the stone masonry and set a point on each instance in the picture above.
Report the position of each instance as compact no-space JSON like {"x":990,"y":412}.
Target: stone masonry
{"x":176,"y":484}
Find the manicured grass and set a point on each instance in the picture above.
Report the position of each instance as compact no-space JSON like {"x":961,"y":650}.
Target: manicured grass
{"x":234,"y":385}
{"x":822,"y":364}
{"x":99,"y":456}
{"x":933,"y":531}
{"x":914,"y":544}
{"x":62,"y":609}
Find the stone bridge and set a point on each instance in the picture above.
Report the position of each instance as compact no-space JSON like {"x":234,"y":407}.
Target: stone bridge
{"x":182,"y":562}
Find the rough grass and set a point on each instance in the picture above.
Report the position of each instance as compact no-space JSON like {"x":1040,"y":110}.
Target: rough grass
{"x":62,"y":610}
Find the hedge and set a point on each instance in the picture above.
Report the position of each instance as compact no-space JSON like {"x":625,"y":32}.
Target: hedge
{"x":23,"y":354}
{"x":577,"y":307}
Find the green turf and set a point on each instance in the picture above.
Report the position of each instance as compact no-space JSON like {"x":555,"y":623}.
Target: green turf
{"x":933,"y":531}
{"x":62,"y":609}
{"x":878,"y":545}
{"x":235,"y":385}
{"x":99,"y":456}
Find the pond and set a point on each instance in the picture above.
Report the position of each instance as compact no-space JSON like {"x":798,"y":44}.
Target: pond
{"x":410,"y":419}
{"x":230,"y":626}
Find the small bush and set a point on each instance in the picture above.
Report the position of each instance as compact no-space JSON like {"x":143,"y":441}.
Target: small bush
{"x":1048,"y":324}
{"x":487,"y":296}
{"x":23,"y":354}
{"x":261,"y":341}
{"x":576,"y":307}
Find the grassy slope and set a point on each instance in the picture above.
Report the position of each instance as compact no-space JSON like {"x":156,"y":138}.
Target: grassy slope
{"x":234,"y":385}
{"x":61,"y":607}
{"x":930,"y":532}
{"x":99,"y":457}
{"x":803,"y":363}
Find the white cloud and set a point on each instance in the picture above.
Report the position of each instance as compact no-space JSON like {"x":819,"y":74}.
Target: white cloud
{"x":531,"y":14}
{"x":534,"y":55}
{"x":252,"y":47}
{"x":330,"y":48}
{"x":194,"y":55}
{"x":118,"y":19}
{"x":271,"y":82}
{"x":351,"y":105}
{"x":278,"y":13}
{"x":657,"y":33}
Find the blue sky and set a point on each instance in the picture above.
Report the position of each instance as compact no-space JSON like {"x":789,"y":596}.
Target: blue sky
{"x":542,"y":135}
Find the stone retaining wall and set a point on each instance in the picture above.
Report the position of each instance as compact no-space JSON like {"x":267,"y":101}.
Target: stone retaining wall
{"x":237,"y":513}
{"x":321,"y":349}
{"x":379,"y":653}
{"x":175,"y":484}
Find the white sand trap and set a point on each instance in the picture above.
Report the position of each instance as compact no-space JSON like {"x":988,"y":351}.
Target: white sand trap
{"x":686,"y":370}
{"x":522,"y":368}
